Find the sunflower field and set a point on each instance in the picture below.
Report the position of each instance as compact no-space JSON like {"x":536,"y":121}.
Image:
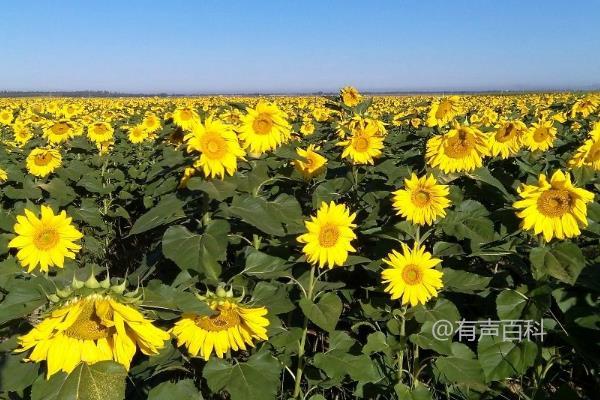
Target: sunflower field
{"x":336,"y":247}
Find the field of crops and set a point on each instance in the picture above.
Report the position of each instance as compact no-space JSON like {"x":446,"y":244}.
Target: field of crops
{"x":413,"y":247}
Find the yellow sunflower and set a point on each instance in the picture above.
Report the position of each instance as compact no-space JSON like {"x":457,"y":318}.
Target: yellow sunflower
{"x":350,"y":96}
{"x":6,"y":116}
{"x":313,"y":163}
{"x":45,"y":241}
{"x":137,"y":134}
{"x":541,"y":135}
{"x":444,"y":110}
{"x":422,"y":201}
{"x":364,"y":144}
{"x":264,"y":128}
{"x":329,"y":235}
{"x":218,"y":147}
{"x":412,"y":276}
{"x":232,"y":326}
{"x":61,"y":131}
{"x":461,"y":149}
{"x":555,"y":209}
{"x":151,"y":123}
{"x":185,"y":118}
{"x":307,"y":127}
{"x":585,"y":106}
{"x":99,"y":132}
{"x":89,"y":329}
{"x":508,"y":139}
{"x":42,"y":162}
{"x":588,"y":154}
{"x":22,"y":133}
{"x":3,"y":176}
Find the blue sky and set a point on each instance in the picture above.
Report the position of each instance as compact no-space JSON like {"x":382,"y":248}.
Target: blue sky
{"x":277,"y":46}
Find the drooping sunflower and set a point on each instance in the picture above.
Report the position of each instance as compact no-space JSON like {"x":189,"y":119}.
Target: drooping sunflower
{"x":461,"y":149}
{"x":42,"y":162}
{"x":264,"y":128}
{"x":218,"y":147}
{"x":422,"y":200}
{"x":94,"y":323}
{"x":313,"y":163}
{"x":364,"y":144}
{"x":350,"y":96}
{"x":99,"y":132}
{"x":412,"y":276}
{"x":508,"y":139}
{"x":556,"y":209}
{"x":185,"y":118}
{"x":541,"y":135}
{"x":61,"y":131}
{"x":444,"y":110}
{"x":45,"y":241}
{"x":329,"y":235}
{"x":137,"y":134}
{"x":588,"y":154}
{"x":233,"y":326}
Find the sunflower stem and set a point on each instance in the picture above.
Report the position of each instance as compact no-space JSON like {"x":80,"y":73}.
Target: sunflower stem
{"x":401,"y":351}
{"x":300,"y":368}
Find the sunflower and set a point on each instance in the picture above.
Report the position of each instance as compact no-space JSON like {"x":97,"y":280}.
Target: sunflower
{"x":364,"y":145}
{"x":555,"y":209}
{"x":588,"y":154}
{"x":42,"y":162}
{"x":585,"y":106}
{"x":541,"y":135}
{"x":22,"y":133}
{"x":444,"y":111}
{"x":218,"y":147}
{"x":461,"y":149}
{"x":91,"y":328}
{"x":137,"y":134}
{"x":185,"y":118}
{"x":6,"y":116}
{"x":264,"y":128}
{"x":45,"y":241}
{"x":151,"y":123}
{"x":307,"y":127}
{"x":412,"y":276}
{"x":329,"y":235}
{"x":313,"y":163}
{"x":350,"y":96}
{"x":508,"y":139}
{"x":232,"y":326}
{"x":3,"y":176}
{"x":61,"y":131}
{"x":99,"y":132}
{"x":422,"y":201}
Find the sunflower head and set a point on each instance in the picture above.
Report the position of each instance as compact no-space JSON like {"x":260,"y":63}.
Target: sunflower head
{"x":350,"y":96}
{"x":313,"y":162}
{"x":461,"y":149}
{"x":232,"y":325}
{"x":422,"y":200}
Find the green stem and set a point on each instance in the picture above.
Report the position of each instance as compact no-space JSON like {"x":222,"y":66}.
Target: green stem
{"x":300,"y":368}
{"x":401,"y":352}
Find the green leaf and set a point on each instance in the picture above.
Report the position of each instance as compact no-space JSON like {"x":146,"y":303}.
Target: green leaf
{"x":161,"y":296}
{"x":255,"y":211}
{"x":325,"y":313}
{"x":23,"y":297}
{"x":510,"y":304}
{"x":447,"y":249}
{"x":166,"y":211}
{"x":15,"y":374}
{"x":182,"y":247}
{"x":484,"y":175}
{"x":565,"y":262}
{"x":183,"y":389}
{"x":459,"y":370}
{"x":456,"y":280}
{"x":104,"y":380}
{"x":256,"y":379}
{"x":469,"y":220}
{"x":215,"y":189}
{"x":264,"y":266}
{"x":339,"y":363}
{"x":213,"y":248}
{"x":501,"y":360}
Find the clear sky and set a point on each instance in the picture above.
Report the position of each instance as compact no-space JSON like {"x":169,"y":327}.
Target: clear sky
{"x":180,"y":46}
